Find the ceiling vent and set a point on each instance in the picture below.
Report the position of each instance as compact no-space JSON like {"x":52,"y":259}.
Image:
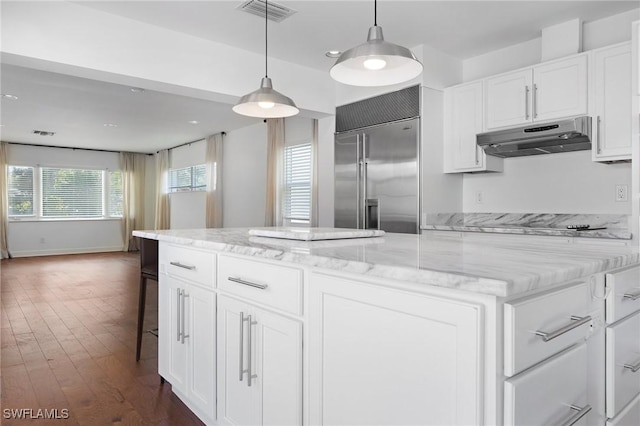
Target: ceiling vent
{"x":43,"y":133}
{"x":277,"y":12}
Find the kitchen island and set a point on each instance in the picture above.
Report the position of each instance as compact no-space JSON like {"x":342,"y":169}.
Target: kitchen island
{"x":398,"y":329}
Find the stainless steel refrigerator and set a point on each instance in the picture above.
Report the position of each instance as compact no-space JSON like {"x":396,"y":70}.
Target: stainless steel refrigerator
{"x":377,"y":177}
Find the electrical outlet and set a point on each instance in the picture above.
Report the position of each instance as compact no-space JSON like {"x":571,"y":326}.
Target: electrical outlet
{"x":479,"y":197}
{"x":622,"y":193}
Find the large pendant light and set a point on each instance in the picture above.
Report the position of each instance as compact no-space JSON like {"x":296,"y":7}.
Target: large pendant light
{"x":266,"y":102}
{"x":376,"y":62}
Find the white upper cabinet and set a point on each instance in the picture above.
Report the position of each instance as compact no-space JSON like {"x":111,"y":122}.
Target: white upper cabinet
{"x":611,"y":89}
{"x":464,"y":120}
{"x":548,"y":91}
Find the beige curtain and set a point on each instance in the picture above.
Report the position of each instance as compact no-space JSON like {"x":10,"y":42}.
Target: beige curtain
{"x":162,"y":188}
{"x":275,"y":166}
{"x":314,"y":174}
{"x":4,"y":203}
{"x":132,"y":167}
{"x":214,"y":181}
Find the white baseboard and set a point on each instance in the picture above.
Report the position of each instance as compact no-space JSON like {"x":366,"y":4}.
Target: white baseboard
{"x":54,"y":252}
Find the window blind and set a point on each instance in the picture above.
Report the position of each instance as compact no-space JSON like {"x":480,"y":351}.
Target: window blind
{"x":20,"y":190}
{"x":115,"y":194}
{"x":297,"y":183}
{"x":192,"y":178}
{"x":71,"y":192}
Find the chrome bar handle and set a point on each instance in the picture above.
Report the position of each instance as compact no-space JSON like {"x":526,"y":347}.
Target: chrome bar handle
{"x":598,"y":135}
{"x":526,"y":102}
{"x":183,"y":266}
{"x":358,"y":181}
{"x":184,"y":295}
{"x":178,"y":297}
{"x":535,"y":101}
{"x":632,"y":296}
{"x":364,"y":180}
{"x":241,"y":360}
{"x":249,"y":283}
{"x":559,"y":332}
{"x":633,"y":367}
{"x":250,"y":374}
{"x":581,"y":412}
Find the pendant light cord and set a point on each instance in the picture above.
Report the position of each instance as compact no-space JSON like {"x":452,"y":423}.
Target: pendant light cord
{"x":266,"y":14}
{"x":375,"y":13}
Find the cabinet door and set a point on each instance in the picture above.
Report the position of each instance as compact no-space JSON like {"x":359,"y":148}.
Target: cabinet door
{"x":172,"y":353}
{"x":560,"y":89}
{"x":235,"y":396}
{"x":508,"y":99}
{"x":201,"y":334}
{"x":386,"y":357}
{"x":623,"y":363}
{"x":467,"y":123}
{"x":611,"y":84}
{"x":278,"y":366}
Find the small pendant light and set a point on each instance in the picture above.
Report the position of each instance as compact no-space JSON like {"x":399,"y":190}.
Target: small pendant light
{"x":376,"y":62}
{"x":266,"y":102}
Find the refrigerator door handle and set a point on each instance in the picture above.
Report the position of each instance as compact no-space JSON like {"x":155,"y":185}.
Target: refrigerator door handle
{"x":363,"y":208}
{"x":358,"y":181}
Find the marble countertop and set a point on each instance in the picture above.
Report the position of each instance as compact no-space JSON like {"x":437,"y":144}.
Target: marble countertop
{"x":500,"y":268}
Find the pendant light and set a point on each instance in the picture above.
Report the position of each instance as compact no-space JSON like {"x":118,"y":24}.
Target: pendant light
{"x":376,"y":62}
{"x":266,"y":102}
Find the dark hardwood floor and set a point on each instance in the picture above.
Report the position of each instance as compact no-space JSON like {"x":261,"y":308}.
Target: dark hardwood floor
{"x":68,"y":343}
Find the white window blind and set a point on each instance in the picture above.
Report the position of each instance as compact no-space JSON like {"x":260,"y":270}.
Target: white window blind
{"x":20,"y":190}
{"x":115,"y":194}
{"x":71,"y":192}
{"x":297,"y":184}
{"x":192,"y":178}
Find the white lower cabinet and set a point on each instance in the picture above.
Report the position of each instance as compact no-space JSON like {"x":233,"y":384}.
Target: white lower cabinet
{"x":259,"y":366}
{"x":553,"y":393}
{"x":623,"y":363}
{"x":186,"y":347}
{"x":629,"y":416}
{"x":387,"y":357}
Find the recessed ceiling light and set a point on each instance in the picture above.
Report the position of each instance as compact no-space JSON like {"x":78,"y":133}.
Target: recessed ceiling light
{"x":333,"y":53}
{"x":137,"y":90}
{"x":7,"y":96}
{"x":110,"y":125}
{"x":194,"y":122}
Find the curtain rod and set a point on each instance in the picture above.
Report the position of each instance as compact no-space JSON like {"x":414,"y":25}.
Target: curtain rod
{"x":189,"y":143}
{"x":70,"y":147}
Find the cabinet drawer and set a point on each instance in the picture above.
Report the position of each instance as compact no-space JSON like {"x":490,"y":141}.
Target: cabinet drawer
{"x":273,"y":285}
{"x":188,"y":263}
{"x":623,"y":356}
{"x":562,"y":315}
{"x":624,"y":298}
{"x":551,"y":393}
{"x":630,"y":416}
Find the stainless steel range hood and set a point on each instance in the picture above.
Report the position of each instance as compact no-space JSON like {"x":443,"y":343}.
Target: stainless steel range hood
{"x":562,"y":136}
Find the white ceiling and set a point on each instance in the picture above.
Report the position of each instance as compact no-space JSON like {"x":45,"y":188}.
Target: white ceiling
{"x":77,"y":109}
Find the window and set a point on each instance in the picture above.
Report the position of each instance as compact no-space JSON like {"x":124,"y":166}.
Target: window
{"x":297,"y":184}
{"x":63,"y":193}
{"x":20,"y":191}
{"x":71,"y":193}
{"x":115,"y":194}
{"x":193,"y":178}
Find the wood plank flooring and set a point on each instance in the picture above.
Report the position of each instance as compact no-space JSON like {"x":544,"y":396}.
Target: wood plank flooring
{"x":68,"y":343}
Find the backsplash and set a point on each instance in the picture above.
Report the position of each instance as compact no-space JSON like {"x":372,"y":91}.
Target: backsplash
{"x":529,"y":220}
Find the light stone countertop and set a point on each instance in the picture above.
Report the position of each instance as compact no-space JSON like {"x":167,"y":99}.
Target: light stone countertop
{"x":500,"y":268}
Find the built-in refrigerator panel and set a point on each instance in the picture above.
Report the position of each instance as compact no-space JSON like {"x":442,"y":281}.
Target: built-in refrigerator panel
{"x":390,"y":175}
{"x":346,"y":167}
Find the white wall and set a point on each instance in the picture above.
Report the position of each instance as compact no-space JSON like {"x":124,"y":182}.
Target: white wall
{"x":187,"y":209}
{"x":554,"y":183}
{"x":441,"y":193}
{"x":326,"y":129}
{"x":600,"y":33}
{"x":244,"y":173}
{"x":28,"y":237}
